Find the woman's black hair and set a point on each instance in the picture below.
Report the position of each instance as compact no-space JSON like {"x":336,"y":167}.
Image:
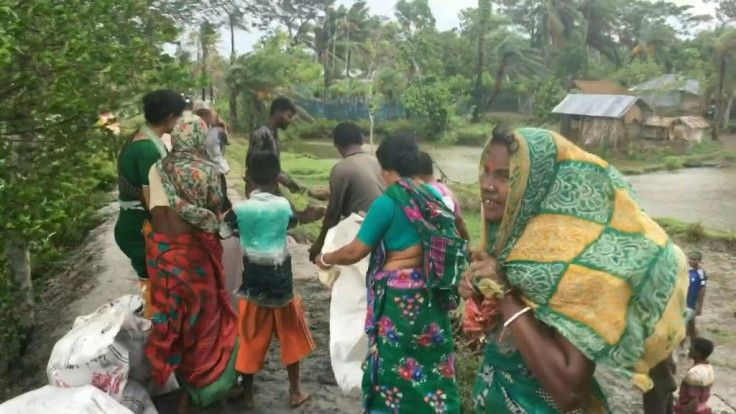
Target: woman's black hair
{"x":503,"y":135}
{"x":399,"y":152}
{"x":702,"y":347}
{"x":426,"y":165}
{"x":160,"y":105}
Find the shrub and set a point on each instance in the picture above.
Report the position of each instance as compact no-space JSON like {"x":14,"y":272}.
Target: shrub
{"x":430,"y":101}
{"x":673,"y":163}
{"x":319,"y":129}
{"x":469,"y":134}
{"x":550,"y":93}
{"x":694,"y":232}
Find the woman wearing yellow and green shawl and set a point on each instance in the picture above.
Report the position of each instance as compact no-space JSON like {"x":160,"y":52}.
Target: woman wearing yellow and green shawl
{"x":574,"y":273}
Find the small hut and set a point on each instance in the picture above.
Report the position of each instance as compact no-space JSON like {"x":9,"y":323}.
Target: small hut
{"x":686,"y":128}
{"x":598,"y":119}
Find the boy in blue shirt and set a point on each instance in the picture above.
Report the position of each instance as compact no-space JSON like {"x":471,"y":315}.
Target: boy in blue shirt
{"x":696,"y":291}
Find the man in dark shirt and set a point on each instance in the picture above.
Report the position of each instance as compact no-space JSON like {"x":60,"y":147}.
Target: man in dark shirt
{"x":355,"y":181}
{"x":266,"y":139}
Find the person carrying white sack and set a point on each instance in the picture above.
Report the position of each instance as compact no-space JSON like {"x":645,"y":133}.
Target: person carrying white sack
{"x":355,"y":182}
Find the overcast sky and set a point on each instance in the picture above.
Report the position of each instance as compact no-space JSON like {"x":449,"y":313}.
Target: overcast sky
{"x":445,"y":12}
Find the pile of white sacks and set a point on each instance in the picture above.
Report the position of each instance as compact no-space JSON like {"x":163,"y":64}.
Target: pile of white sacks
{"x":98,"y":367}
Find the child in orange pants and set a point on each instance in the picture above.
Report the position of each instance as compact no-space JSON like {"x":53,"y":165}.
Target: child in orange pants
{"x":268,"y":305}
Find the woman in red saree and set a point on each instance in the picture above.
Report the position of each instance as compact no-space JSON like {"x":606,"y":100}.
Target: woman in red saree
{"x":195,"y":330}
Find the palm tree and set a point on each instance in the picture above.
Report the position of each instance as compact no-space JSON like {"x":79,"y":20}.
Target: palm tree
{"x":558,"y":19}
{"x":484,"y":8}
{"x":235,"y":20}
{"x":514,"y":54}
{"x":725,"y":50}
{"x":599,"y":22}
{"x":322,"y":42}
{"x":354,"y":23}
{"x":208,"y":37}
{"x":653,"y":41}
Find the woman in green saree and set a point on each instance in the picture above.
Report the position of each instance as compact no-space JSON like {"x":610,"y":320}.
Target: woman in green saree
{"x":572,"y":274}
{"x":417,"y":259}
{"x":162,"y":109}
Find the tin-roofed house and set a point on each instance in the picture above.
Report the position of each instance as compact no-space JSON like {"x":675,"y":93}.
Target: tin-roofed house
{"x":602,"y":119}
{"x":672,"y":94}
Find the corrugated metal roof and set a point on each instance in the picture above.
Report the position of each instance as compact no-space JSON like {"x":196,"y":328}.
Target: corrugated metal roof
{"x":669,"y":82}
{"x":602,"y":87}
{"x":602,"y":106}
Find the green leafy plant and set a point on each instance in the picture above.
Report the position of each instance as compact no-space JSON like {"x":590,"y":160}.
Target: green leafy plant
{"x":429,"y":100}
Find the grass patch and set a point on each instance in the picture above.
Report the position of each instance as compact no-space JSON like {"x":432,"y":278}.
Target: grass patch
{"x":695,"y":232}
{"x":645,"y":157}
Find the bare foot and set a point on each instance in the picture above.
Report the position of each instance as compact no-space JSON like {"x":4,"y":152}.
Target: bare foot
{"x":297,"y":398}
{"x":186,"y":406}
{"x":247,"y":399}
{"x":235,"y":395}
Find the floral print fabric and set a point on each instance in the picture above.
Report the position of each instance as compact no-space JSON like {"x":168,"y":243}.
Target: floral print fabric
{"x":191,"y":181}
{"x":410,"y":363}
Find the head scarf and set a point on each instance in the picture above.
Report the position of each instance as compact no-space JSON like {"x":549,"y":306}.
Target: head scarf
{"x":444,"y":251}
{"x":189,"y":179}
{"x":587,"y":259}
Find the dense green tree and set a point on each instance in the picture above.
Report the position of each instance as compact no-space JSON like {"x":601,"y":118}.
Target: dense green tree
{"x":63,"y":64}
{"x":514,"y":54}
{"x":274,"y":67}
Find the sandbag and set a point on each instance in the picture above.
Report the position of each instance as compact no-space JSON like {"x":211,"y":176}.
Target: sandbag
{"x":106,"y":349}
{"x":137,"y":399}
{"x":78,"y":400}
{"x":348,"y":341}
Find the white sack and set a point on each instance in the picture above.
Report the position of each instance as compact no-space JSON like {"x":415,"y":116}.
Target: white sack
{"x":348,"y":341}
{"x":105,"y":349}
{"x":137,"y":399}
{"x":79,"y":400}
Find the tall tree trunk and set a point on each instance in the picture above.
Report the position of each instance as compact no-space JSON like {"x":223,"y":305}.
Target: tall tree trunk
{"x":500,"y":74}
{"x":720,"y":99}
{"x":347,"y":48}
{"x":484,"y":9}
{"x":333,"y":37}
{"x":727,"y":112}
{"x":347,"y":63}
{"x":325,"y":80}
{"x":19,"y":260}
{"x":232,"y":35}
{"x":233,"y":94}
{"x":205,"y":55}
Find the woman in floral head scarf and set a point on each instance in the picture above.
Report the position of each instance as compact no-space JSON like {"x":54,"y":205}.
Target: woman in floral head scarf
{"x":194,"y":325}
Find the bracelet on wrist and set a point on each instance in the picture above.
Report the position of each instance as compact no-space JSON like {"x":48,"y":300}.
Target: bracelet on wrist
{"x":511,"y":320}
{"x":322,"y":261}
